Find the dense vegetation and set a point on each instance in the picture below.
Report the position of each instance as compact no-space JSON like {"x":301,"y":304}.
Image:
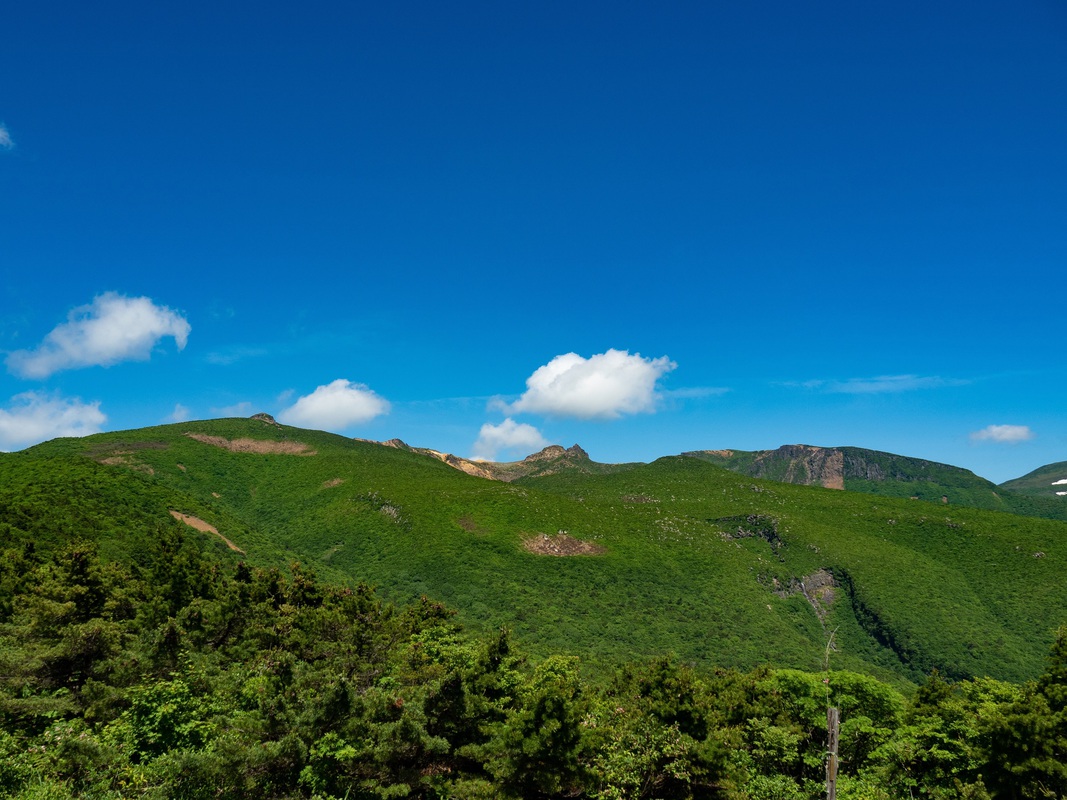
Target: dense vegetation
{"x":183,"y":677}
{"x":689,"y":558}
{"x":140,"y":657}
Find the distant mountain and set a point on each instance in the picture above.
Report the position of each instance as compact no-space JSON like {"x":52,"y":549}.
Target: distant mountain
{"x":552,"y":460}
{"x":1048,"y":481}
{"x":874,"y":472}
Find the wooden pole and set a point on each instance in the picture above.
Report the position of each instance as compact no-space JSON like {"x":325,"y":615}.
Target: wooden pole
{"x":833,"y":728}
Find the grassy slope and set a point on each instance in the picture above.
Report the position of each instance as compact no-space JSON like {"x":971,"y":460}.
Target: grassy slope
{"x":1040,"y":483}
{"x":954,"y":588}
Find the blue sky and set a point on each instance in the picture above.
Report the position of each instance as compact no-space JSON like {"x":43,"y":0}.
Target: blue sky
{"x":480,"y":227}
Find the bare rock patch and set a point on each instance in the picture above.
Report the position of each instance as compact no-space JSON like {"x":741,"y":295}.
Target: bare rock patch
{"x":819,"y":589}
{"x":562,"y":544}
{"x":260,"y":446}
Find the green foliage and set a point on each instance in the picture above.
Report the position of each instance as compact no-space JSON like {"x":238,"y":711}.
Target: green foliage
{"x":262,"y":685}
{"x":919,"y":586}
{"x":140,"y":657}
{"x":1027,"y":739}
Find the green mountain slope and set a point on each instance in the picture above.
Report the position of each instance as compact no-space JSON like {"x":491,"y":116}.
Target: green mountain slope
{"x":1049,"y":481}
{"x":887,"y":474}
{"x":678,"y":555}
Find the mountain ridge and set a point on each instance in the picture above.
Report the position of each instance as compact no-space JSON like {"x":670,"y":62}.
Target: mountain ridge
{"x":886,"y":474}
{"x":842,"y":468}
{"x":547,"y":461}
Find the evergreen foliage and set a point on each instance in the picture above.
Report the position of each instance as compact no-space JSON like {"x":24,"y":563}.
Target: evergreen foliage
{"x":249,"y":683}
{"x":140,"y":657}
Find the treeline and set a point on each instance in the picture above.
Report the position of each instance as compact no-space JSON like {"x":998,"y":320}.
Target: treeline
{"x":179,"y":677}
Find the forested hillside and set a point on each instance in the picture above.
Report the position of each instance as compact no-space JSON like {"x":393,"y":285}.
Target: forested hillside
{"x":183,"y":676}
{"x":675,"y":556}
{"x":240,"y":609}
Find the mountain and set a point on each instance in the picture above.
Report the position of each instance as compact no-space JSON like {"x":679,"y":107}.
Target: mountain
{"x":853,"y":469}
{"x":887,"y":474}
{"x":549,"y":461}
{"x":1049,"y":481}
{"x":678,"y":555}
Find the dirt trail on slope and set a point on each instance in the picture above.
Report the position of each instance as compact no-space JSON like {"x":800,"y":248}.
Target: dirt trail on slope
{"x":204,"y":527}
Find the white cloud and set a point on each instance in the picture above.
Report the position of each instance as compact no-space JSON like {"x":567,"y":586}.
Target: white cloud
{"x":508,"y":435}
{"x":603,"y":386}
{"x":179,"y":414}
{"x":335,"y":406}
{"x":6,"y":142}
{"x":36,"y":417}
{"x":111,"y":329}
{"x":1005,"y":434}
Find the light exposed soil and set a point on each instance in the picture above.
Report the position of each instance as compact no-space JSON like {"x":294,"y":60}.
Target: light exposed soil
{"x":470,"y":467}
{"x":562,"y":544}
{"x":254,"y":445}
{"x":204,"y":527}
{"x":332,"y":482}
{"x":123,"y":459}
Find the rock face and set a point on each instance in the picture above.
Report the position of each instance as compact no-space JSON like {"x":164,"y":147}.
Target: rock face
{"x":262,"y":417}
{"x":791,"y":463}
{"x":820,"y":465}
{"x":833,"y":467}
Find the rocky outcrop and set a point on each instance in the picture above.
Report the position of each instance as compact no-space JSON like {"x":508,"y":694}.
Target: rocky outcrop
{"x":552,"y":459}
{"x":562,"y":544}
{"x":831,"y":467}
{"x":554,"y":452}
{"x":791,"y":463}
{"x":818,"y":589}
{"x":820,"y":466}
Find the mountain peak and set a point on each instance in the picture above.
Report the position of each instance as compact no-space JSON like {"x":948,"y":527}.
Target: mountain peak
{"x":554,"y":451}
{"x":577,"y":452}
